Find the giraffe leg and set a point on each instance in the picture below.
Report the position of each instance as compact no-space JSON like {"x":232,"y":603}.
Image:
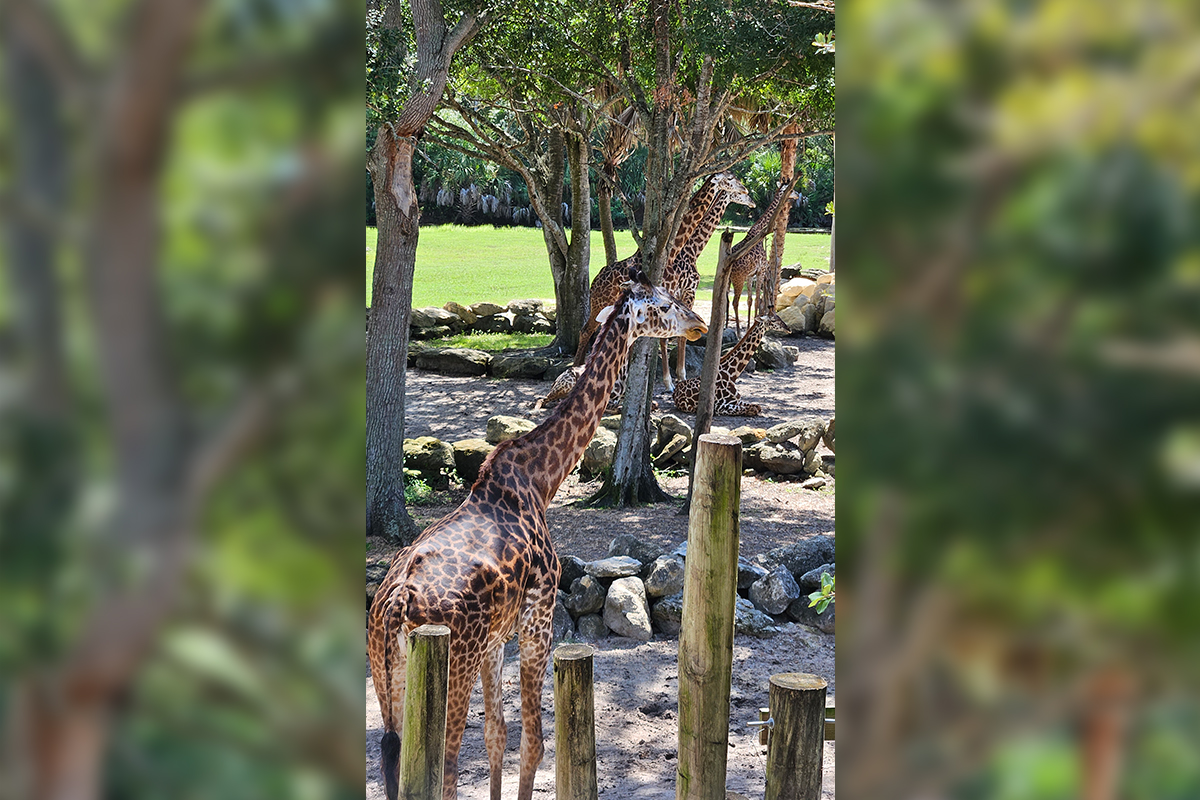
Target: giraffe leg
{"x":495,"y":731}
{"x":466,"y":656}
{"x":680,"y":358}
{"x":535,"y":656}
{"x":666,"y":365}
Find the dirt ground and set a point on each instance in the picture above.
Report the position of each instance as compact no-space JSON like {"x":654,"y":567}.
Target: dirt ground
{"x":636,"y":683}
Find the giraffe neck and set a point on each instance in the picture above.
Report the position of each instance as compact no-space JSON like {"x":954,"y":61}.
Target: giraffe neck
{"x":698,"y":206}
{"x":761,"y":223}
{"x":735,"y":361}
{"x":548,"y":453}
{"x":685,"y":260}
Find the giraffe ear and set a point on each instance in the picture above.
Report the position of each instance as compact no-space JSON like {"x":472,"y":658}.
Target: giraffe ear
{"x":604,"y":314}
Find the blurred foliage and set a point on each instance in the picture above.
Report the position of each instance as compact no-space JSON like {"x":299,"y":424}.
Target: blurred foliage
{"x":1019,"y":379}
{"x":254,"y":689}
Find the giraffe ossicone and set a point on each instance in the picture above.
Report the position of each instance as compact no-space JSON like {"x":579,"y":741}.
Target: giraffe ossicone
{"x":488,"y":569}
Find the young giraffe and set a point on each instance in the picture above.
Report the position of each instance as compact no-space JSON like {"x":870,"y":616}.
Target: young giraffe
{"x":750,"y":267}
{"x":728,"y":401}
{"x":680,"y":278}
{"x":489,"y":570}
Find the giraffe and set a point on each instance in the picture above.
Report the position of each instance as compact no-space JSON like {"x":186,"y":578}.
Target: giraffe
{"x":728,"y":401}
{"x":680,"y":278}
{"x":750,"y":267}
{"x":488,"y":569}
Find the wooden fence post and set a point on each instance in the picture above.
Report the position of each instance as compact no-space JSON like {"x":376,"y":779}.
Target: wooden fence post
{"x":423,"y":746}
{"x":574,"y":723}
{"x":706,"y":635}
{"x":797,"y":744}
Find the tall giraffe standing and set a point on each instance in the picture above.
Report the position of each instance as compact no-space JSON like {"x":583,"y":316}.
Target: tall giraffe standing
{"x":751,"y":266}
{"x":680,"y":278}
{"x":728,"y":401}
{"x":488,"y":569}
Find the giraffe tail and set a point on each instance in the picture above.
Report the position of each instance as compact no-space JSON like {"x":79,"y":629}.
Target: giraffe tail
{"x":389,"y":756}
{"x":393,"y":655}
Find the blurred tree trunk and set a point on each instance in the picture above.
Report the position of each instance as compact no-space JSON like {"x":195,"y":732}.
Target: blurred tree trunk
{"x":398,"y":222}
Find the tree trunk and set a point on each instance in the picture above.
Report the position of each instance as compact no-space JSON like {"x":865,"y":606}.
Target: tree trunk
{"x":604,"y":194}
{"x":387,"y":338}
{"x":787,"y":170}
{"x":572,"y":292}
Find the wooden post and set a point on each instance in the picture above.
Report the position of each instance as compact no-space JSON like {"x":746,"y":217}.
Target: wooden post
{"x":706,"y":636}
{"x":423,"y":746}
{"x":574,"y":723}
{"x":797,"y":746}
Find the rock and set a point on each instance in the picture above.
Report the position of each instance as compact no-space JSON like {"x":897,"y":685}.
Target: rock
{"x":793,"y":317}
{"x":665,"y":577}
{"x":693,"y":361}
{"x":431,"y":457}
{"x":612,"y":422}
{"x":681,"y":550}
{"x":811,"y":316}
{"x":519,"y":365}
{"x":550,"y":311}
{"x":671,"y":425}
{"x":827,"y":464}
{"x":626,"y":544}
{"x":813,"y":483}
{"x":562,"y":625}
{"x":750,"y":621}
{"x":673,"y":448}
{"x":749,"y":573}
{"x":793,"y":353}
{"x":625,"y":610}
{"x":668,"y":614}
{"x":799,"y":557}
{"x":799,"y":611}
{"x":827,"y":277}
{"x":771,"y":355}
{"x":572,"y":569}
{"x":557,"y":367}
{"x":811,"y":581}
{"x":807,"y":432}
{"x":453,"y":360}
{"x":436,"y":332}
{"x":828,"y":439}
{"x":501,"y":428}
{"x":748,"y":434}
{"x":598,"y":455}
{"x":495,"y":323}
{"x":431,"y":317}
{"x":586,"y":596}
{"x":591,"y":627}
{"x":376,"y":572}
{"x":613,"y":567}
{"x":785,"y":458}
{"x":775,"y":591}
{"x":486,"y":309}
{"x":468,"y":316}
{"x":532,"y":323}
{"x":793,"y":287}
{"x":525,"y":307}
{"x":469,"y":455}
{"x":826,"y":326}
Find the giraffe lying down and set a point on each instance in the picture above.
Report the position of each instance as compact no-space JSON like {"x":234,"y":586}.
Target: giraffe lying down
{"x":728,"y":402}
{"x":488,"y":569}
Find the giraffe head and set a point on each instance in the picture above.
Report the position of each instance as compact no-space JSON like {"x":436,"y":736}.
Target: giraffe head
{"x":726,"y":182}
{"x":772,"y":321}
{"x":654,"y":312}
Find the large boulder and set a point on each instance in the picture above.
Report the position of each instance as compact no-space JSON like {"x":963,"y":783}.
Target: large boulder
{"x":806,"y":432}
{"x":495,"y":323}
{"x":784,"y":458}
{"x":749,"y":434}
{"x":453,"y":360}
{"x":775,"y":591}
{"x":469,"y":455}
{"x":799,"y":557}
{"x":670,"y":426}
{"x":431,"y":317}
{"x":748,"y":573}
{"x":598,"y":455}
{"x":519,"y":365}
{"x":432,"y":458}
{"x":526,"y":307}
{"x":827,"y":325}
{"x":811,"y":581}
{"x":468,"y":316}
{"x":572,"y":569}
{"x":793,"y":317}
{"x":772,"y":355}
{"x":749,"y":620}
{"x":532,"y":323}
{"x":626,"y":544}
{"x":586,"y":596}
{"x":501,"y":428}
{"x":667,"y":614}
{"x":435,"y":332}
{"x":613,"y":567}
{"x":665,"y":577}
{"x":626,"y":612}
{"x":486,"y":309}
{"x":800,"y":611}
{"x":562,"y":625}
{"x":591,"y":627}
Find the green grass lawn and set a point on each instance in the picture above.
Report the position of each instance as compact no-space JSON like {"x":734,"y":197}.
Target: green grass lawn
{"x":468,"y":265}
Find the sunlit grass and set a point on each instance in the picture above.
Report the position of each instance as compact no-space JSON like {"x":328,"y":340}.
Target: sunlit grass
{"x":493,"y":342}
{"x":469,"y":265}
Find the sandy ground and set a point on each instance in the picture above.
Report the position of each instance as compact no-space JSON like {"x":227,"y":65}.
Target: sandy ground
{"x":636,"y":684}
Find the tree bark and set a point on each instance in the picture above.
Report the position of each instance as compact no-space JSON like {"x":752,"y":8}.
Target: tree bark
{"x":397,"y":218}
{"x":572,"y":292}
{"x":604,"y":194}
{"x":787,"y":170}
